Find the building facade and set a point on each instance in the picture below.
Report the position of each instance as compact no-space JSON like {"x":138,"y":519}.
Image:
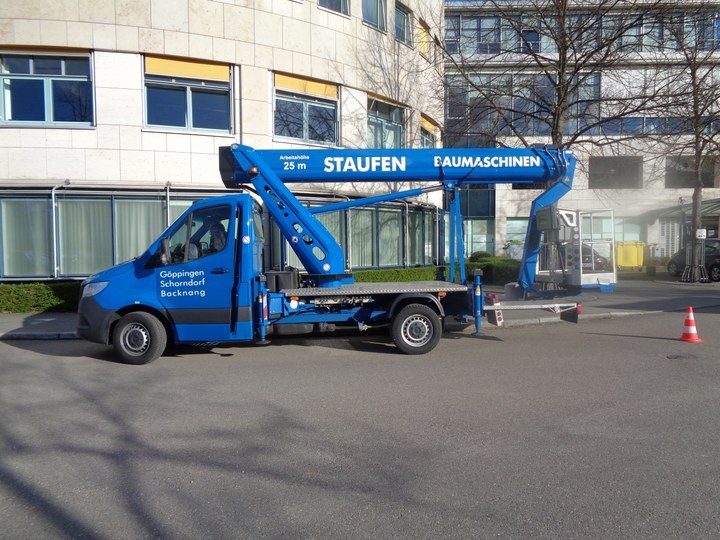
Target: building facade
{"x":112,"y":113}
{"x":509,"y":64}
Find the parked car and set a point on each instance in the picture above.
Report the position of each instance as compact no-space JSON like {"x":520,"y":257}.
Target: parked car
{"x":676,"y":265}
{"x":592,"y":261}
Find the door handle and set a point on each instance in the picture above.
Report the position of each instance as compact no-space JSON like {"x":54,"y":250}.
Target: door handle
{"x":219,"y":271}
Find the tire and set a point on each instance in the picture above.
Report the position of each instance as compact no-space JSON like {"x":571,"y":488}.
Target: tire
{"x":673,"y":269}
{"x":714,"y":273}
{"x":139,"y":338}
{"x":416,"y":329}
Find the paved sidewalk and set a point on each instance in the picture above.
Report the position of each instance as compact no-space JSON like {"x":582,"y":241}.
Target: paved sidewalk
{"x":631,"y":298}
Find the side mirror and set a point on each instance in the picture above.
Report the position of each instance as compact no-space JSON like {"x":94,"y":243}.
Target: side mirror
{"x":161,"y":257}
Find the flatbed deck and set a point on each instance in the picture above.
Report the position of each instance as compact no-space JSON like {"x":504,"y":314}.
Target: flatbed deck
{"x":366,"y":289}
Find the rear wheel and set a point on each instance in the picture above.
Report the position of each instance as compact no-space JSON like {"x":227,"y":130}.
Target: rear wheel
{"x":673,"y":269}
{"x":416,"y":329}
{"x":139,"y":338}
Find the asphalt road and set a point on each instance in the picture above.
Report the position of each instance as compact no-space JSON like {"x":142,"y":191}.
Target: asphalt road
{"x":604,"y":429}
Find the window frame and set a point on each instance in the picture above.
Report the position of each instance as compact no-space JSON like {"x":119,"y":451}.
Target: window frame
{"x":386,"y":121}
{"x":380,"y":9}
{"x":624,"y":163}
{"x":49,"y":89}
{"x":190,"y":87}
{"x":344,"y":7}
{"x":307,"y":101}
{"x":407,"y":39}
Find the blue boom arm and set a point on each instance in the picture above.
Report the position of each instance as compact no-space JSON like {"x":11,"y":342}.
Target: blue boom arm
{"x":450,"y":169}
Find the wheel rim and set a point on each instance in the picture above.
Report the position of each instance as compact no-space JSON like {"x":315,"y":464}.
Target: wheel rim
{"x":416,"y":331}
{"x":135,"y":339}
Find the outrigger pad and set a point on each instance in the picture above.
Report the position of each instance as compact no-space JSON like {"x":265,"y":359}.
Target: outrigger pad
{"x":571,"y":315}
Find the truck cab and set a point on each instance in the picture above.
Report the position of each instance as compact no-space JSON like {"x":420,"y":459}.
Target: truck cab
{"x":198,"y":281}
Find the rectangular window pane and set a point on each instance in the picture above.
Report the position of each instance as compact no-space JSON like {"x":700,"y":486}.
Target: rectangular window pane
{"x":335,"y":223}
{"x":47,"y":66}
{"x":615,"y":172}
{"x":166,"y":106}
{"x":177,"y":208}
{"x":393,"y":136}
{"x":391,"y":237}
{"x":84,"y":236}
{"x":415,"y":237}
{"x":289,"y":119}
{"x":72,"y":101}
{"x":430,"y":242}
{"x":24,"y":100}
{"x":321,"y":123}
{"x":77,"y":66}
{"x":362,"y":223}
{"x":374,"y":13}
{"x":211,"y":110}
{"x":680,"y":172}
{"x":27,"y":254}
{"x":16,"y":64}
{"x":402,"y":25}
{"x":137,"y":223}
{"x":340,"y":6}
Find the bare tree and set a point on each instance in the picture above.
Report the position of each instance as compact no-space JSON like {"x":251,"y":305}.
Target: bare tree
{"x":689,"y":54}
{"x":518,"y":70}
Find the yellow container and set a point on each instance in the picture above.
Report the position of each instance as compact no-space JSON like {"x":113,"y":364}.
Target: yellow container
{"x":629,"y":254}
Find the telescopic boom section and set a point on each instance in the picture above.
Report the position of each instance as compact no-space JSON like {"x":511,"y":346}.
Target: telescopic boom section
{"x":269,"y":170}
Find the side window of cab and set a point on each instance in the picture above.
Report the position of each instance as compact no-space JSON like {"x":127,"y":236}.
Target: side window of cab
{"x":202,"y":233}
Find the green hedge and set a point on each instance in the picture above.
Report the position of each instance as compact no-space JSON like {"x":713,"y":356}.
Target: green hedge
{"x":496,"y":270}
{"x":63,"y":296}
{"x":38,"y":297}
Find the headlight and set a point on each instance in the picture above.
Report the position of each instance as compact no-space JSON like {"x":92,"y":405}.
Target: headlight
{"x":91,"y":289}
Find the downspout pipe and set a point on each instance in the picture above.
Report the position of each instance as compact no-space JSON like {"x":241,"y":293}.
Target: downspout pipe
{"x":53,"y":220}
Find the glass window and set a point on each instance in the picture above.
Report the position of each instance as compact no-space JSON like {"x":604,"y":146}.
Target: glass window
{"x":480,"y":235}
{"x":424,"y":40}
{"x":203,"y":233}
{"x":427,"y":139}
{"x":27,"y":254}
{"x":615,"y":172}
{"x":416,"y":239}
{"x":403,"y":25}
{"x":386,"y":127}
{"x":362,"y":226}
{"x":138,"y":223}
{"x":452,"y":34}
{"x":46,"y":89}
{"x":529,"y":41}
{"x":680,"y":172}
{"x":305,"y":118}
{"x":374,"y":13}
{"x":479,"y":35}
{"x":390,"y":236}
{"x":85,"y":236}
{"x":340,"y":6}
{"x":187,"y":103}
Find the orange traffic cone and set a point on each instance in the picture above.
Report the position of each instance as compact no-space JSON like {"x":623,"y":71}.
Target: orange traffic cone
{"x":690,"y":332}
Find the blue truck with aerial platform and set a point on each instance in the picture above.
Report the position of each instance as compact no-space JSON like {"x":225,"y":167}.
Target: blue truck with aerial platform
{"x":204,"y":279}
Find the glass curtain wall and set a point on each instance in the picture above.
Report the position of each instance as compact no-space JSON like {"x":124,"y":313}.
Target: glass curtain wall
{"x":95,"y":231}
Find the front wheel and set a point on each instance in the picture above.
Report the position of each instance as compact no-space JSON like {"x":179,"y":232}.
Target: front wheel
{"x":673,"y":269}
{"x":714,"y":273}
{"x":416,"y":329}
{"x":139,"y":338}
